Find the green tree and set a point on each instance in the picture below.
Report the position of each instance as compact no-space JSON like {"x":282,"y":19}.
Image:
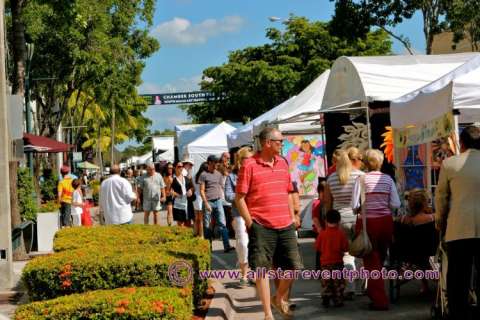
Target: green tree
{"x":464,"y":21}
{"x":386,"y":14}
{"x":79,"y":44}
{"x":255,"y":79}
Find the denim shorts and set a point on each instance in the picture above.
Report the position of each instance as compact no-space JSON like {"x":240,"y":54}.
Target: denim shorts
{"x":273,"y":247}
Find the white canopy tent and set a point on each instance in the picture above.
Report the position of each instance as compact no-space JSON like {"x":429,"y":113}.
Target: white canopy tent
{"x":294,"y":115}
{"x":244,"y":135}
{"x":437,"y":97}
{"x":164,"y":148}
{"x":143,"y":159}
{"x":356,"y":80}
{"x":184,"y":134}
{"x":212,"y":142}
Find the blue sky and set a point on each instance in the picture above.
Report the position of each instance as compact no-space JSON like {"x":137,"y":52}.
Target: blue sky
{"x":196,"y":34}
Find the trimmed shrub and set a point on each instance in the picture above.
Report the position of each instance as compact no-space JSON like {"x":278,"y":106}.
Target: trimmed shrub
{"x":114,"y":236}
{"x":94,"y":268}
{"x":26,"y":191}
{"x":123,"y":303}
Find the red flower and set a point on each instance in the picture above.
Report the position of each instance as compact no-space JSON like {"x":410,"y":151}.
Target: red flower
{"x":120,"y":310}
{"x":158,"y":306}
{"x":122,"y":303}
{"x":66,"y":284}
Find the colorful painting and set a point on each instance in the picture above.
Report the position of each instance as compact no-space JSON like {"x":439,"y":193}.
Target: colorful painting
{"x":306,"y":157}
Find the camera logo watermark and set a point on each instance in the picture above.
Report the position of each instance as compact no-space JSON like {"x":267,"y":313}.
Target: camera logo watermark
{"x":180,"y":273}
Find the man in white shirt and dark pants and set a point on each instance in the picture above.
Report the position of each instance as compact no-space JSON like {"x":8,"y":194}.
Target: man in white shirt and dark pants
{"x":116,"y":196}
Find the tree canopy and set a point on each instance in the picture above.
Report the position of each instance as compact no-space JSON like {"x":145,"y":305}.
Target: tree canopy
{"x":355,"y":18}
{"x":255,"y":79}
{"x":91,"y":51}
{"x":463,"y":17}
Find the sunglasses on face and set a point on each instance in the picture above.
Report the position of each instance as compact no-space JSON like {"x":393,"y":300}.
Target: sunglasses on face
{"x":178,"y":167}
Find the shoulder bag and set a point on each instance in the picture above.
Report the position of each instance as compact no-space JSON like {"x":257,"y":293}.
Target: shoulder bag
{"x":361,"y":245}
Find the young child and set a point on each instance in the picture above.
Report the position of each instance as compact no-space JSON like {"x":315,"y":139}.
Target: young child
{"x":318,"y":215}
{"x":77,"y":203}
{"x":332,"y":244}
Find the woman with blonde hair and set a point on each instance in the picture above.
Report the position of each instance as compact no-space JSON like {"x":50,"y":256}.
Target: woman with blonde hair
{"x":338,"y":191}
{"x":338,"y":196}
{"x":356,"y":157}
{"x":381,"y":197}
{"x":241,"y":235}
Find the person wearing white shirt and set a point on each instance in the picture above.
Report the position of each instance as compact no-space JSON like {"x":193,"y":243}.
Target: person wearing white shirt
{"x":116,"y":195}
{"x":77,"y":203}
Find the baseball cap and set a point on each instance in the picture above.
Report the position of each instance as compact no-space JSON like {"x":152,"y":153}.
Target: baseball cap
{"x":188,"y":160}
{"x":213,"y":158}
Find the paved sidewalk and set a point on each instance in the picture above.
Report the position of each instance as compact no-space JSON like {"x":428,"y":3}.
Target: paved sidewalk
{"x":8,"y":297}
{"x":233,"y":302}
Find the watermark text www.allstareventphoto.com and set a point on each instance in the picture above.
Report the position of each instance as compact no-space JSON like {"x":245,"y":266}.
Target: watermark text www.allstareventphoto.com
{"x":181,"y":273}
{"x":346,"y":274}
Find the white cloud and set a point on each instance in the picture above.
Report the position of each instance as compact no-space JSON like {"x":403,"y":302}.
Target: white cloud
{"x":179,"y":85}
{"x":181,"y":31}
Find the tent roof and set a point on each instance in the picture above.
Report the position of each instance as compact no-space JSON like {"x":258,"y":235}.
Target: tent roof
{"x":354,"y":79}
{"x":34,"y":143}
{"x":435,"y":98}
{"x":143,"y":159}
{"x":212,"y":142}
{"x":87,"y":165}
{"x":286,"y":114}
{"x":244,"y":134}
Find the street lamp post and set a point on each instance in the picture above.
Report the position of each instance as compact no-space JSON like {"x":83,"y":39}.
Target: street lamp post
{"x":28,"y":110}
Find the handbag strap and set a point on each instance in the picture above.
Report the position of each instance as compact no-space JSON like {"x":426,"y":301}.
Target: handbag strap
{"x":362,"y":203}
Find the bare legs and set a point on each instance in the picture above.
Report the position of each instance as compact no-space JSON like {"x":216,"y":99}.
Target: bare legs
{"x":146,"y":217}
{"x":169,"y":214}
{"x":198,"y":224}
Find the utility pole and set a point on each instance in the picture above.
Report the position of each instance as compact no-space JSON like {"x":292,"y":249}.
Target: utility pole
{"x":6,"y":266}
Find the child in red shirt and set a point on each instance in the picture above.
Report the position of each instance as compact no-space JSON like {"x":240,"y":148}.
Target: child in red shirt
{"x":332,"y":243}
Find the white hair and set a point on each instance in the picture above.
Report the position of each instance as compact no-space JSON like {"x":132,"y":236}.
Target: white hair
{"x":151,"y":165}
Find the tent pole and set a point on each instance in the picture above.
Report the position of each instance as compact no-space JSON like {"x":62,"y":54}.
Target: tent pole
{"x":367,"y":111}
{"x":456,"y":133}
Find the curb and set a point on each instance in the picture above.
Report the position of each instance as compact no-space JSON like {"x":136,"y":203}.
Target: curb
{"x":222,"y":306}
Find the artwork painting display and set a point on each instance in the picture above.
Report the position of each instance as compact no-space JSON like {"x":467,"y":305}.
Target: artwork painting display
{"x":306,"y":157}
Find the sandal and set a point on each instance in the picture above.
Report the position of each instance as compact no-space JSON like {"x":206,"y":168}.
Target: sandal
{"x":282,"y":308}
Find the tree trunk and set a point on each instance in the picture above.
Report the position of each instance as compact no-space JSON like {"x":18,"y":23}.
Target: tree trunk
{"x":19,"y":50}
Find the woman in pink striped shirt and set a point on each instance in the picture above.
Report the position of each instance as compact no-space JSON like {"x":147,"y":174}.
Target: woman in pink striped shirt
{"x":381,"y":197}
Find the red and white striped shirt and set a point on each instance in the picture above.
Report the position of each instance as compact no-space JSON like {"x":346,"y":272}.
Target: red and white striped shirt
{"x":266,"y":189}
{"x":380,"y":194}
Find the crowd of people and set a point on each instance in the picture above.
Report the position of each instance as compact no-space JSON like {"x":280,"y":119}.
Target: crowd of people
{"x":263,"y":203}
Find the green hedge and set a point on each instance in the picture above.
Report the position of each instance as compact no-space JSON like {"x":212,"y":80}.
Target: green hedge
{"x":94,"y":267}
{"x":82,"y":270}
{"x":76,"y":238}
{"x":124,"y":303}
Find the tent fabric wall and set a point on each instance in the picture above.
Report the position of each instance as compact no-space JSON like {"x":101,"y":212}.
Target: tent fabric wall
{"x":185,"y":134}
{"x":211,"y":142}
{"x":165,"y":144}
{"x":436,"y":97}
{"x":385,"y":78}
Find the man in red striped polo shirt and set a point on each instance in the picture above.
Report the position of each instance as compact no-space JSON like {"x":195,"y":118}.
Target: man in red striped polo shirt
{"x":263,"y":201}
